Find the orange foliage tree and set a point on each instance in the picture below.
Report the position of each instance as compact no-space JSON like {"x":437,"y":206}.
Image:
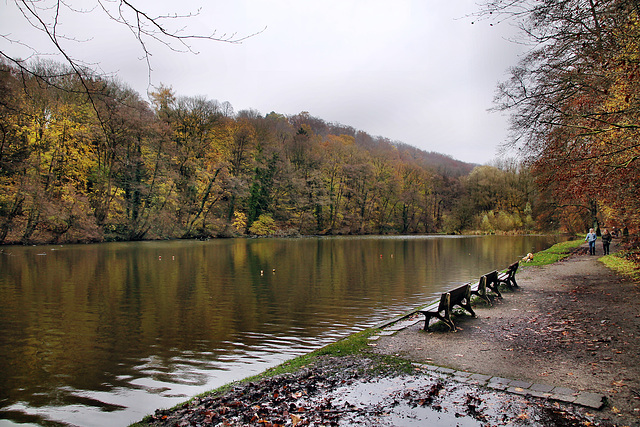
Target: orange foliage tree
{"x":575,"y":106}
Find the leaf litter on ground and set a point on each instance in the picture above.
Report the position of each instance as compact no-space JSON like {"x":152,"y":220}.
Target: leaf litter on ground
{"x":350,"y":390}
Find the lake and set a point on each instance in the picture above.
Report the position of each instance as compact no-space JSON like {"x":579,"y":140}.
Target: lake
{"x":104,"y":334}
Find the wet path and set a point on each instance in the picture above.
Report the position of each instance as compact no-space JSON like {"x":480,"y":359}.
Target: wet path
{"x":571,"y":325}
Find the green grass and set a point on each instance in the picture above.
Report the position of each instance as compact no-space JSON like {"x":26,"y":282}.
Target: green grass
{"x":617,"y":262}
{"x":354,"y":344}
{"x":350,"y":345}
{"x":621,"y":265}
{"x":554,"y":254}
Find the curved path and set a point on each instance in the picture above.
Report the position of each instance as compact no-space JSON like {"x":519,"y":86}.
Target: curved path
{"x":572,"y":326}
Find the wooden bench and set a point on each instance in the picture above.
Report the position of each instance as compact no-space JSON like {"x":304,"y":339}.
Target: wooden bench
{"x":488,"y":282}
{"x":460,"y":296}
{"x":509,"y":277}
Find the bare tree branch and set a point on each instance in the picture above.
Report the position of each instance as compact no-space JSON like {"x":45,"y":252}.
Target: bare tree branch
{"x":48,"y":17}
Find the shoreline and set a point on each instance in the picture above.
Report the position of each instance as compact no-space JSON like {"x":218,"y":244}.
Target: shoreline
{"x":573,"y":324}
{"x":273,"y":236}
{"x":518,"y":338}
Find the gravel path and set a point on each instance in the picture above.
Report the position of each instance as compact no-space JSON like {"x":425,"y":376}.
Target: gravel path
{"x":573,"y":324}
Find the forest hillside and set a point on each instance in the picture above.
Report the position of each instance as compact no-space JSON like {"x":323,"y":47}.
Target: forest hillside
{"x":103,"y":164}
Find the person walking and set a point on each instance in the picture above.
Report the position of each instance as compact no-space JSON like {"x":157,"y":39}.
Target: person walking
{"x":606,"y":241}
{"x":591,"y":239}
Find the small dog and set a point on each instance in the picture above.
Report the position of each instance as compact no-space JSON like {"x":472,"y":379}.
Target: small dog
{"x":528,"y":258}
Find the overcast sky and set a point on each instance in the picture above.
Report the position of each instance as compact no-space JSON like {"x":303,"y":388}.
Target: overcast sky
{"x":419,"y":72}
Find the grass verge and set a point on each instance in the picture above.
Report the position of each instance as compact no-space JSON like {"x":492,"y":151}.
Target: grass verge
{"x":621,"y":265}
{"x":352,"y":344}
{"x":554,"y":254}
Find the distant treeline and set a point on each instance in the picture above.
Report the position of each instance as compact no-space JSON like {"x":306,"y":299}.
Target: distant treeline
{"x":88,"y":160}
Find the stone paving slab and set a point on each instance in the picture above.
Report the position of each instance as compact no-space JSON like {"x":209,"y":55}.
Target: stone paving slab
{"x":480,"y":377}
{"x":401,"y":325}
{"x":591,"y":400}
{"x":520,"y":384}
{"x":539,"y":394}
{"x":543,"y":391}
{"x":499,"y":380}
{"x":562,"y":390}
{"x":496,"y":386}
{"x":541,"y":388}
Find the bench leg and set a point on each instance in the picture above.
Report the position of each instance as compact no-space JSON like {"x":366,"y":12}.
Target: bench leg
{"x":494,"y":288}
{"x":467,"y":306}
{"x":427,"y":319}
{"x":446,"y":319}
{"x":485,"y":297}
{"x":451,"y":325}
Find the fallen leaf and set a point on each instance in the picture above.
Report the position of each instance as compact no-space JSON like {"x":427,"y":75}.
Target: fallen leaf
{"x":295,"y":419}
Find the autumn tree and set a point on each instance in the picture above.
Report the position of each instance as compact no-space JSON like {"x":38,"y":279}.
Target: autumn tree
{"x":46,"y":158}
{"x":574,"y":105}
{"x":117,"y":168}
{"x":500,"y":198}
{"x":415,"y":199}
{"x":14,"y":151}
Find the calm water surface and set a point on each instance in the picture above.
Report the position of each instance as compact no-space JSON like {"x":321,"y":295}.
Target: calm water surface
{"x":95,"y":335}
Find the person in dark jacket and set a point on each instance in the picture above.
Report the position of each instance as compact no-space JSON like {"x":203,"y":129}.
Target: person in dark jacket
{"x":606,"y":241}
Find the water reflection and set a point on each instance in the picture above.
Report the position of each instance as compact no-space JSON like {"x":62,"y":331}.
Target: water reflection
{"x":104,"y":334}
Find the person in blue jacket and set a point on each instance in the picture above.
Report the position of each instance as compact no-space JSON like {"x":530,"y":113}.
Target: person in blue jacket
{"x":591,"y":239}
